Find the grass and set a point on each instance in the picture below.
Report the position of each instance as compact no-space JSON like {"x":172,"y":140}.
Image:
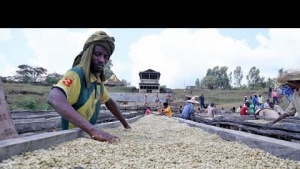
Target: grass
{"x":221,"y":98}
{"x":26,"y":96}
{"x":33,"y":97}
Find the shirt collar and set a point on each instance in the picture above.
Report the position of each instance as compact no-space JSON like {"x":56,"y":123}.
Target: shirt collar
{"x":93,"y":78}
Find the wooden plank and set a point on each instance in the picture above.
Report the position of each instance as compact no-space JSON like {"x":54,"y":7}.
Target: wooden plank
{"x":7,"y":127}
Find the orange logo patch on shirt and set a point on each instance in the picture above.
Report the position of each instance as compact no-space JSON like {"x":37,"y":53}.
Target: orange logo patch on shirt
{"x":67,"y":81}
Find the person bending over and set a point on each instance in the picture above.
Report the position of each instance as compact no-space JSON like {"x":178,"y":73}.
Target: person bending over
{"x":77,"y":97}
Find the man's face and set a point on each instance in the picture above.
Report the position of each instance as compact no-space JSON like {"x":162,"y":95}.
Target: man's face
{"x":99,"y":59}
{"x":271,"y":105}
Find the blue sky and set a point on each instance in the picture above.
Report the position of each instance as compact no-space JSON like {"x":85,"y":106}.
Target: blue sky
{"x":180,"y":55}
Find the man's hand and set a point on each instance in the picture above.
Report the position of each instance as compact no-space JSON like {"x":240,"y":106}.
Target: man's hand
{"x":284,"y":115}
{"x":127,"y":127}
{"x":271,"y":123}
{"x":104,"y":137}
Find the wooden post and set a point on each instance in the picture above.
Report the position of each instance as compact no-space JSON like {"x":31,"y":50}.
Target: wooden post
{"x":7,"y":127}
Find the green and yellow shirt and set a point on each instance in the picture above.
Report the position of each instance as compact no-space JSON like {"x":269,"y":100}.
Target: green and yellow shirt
{"x":85,"y":100}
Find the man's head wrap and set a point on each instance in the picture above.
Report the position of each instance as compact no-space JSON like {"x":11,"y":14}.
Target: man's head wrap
{"x":84,"y":57}
{"x":293,"y":75}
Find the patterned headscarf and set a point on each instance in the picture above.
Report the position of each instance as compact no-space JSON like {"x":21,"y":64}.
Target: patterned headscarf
{"x":287,"y":92}
{"x":293,"y":75}
{"x":84,"y":58}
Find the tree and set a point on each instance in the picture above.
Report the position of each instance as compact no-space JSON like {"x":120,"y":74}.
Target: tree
{"x":238,"y":76}
{"x":107,"y":69}
{"x":253,"y":78}
{"x":38,"y":72}
{"x":219,"y":78}
{"x":125,"y":83}
{"x":209,"y":82}
{"x":280,"y":72}
{"x":197,"y":84}
{"x":8,"y":79}
{"x":28,"y":73}
{"x":223,"y":78}
{"x":53,"y":78}
{"x":230,"y":78}
{"x":3,"y":79}
{"x":270,"y":82}
{"x":261,"y":83}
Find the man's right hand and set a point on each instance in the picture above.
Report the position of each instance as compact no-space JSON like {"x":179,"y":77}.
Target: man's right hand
{"x":271,"y":123}
{"x":104,"y":137}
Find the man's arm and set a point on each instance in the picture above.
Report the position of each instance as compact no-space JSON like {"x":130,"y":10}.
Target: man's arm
{"x":282,"y":116}
{"x":162,"y":111}
{"x":58,"y":100}
{"x":112,"y":106}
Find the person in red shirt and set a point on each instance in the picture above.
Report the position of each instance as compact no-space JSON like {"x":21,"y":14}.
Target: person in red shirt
{"x":148,"y":111}
{"x":244,"y":110}
{"x":275,"y":96}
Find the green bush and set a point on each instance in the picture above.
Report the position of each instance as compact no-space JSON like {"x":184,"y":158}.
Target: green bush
{"x":31,"y":104}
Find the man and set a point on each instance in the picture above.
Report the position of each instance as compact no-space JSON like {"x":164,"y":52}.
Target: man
{"x":166,"y":111}
{"x":244,"y":110}
{"x":188,"y":109}
{"x":247,"y":103}
{"x":255,"y":100}
{"x":211,"y":110}
{"x":251,"y":109}
{"x":266,"y":104}
{"x":270,"y":92}
{"x":260,"y":101}
{"x":222,"y":111}
{"x":276,"y":108}
{"x":145,"y":100}
{"x":275,"y":96}
{"x":239,"y":109}
{"x":77,"y":97}
{"x":291,"y":80}
{"x":271,"y":113}
{"x":268,"y":113}
{"x":156,"y":97}
{"x":201,"y":99}
{"x":168,"y":98}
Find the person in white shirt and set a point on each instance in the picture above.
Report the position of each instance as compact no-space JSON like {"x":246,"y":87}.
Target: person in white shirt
{"x":276,"y":107}
{"x":260,"y":101}
{"x":211,"y":110}
{"x":222,"y":111}
{"x":239,"y":109}
{"x":266,"y":104}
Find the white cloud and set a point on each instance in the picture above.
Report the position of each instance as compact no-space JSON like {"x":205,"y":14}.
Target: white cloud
{"x":119,"y":68}
{"x":5,"y":34}
{"x":183,"y":55}
{"x":180,"y":55}
{"x":6,"y":68}
{"x":56,"y":49}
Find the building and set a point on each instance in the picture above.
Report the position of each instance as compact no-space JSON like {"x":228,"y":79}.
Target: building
{"x":149,"y":81}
